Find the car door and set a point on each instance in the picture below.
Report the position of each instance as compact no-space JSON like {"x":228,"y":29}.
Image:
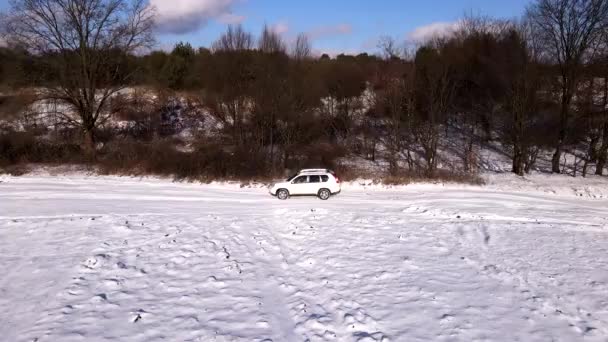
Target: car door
{"x":299,"y":186}
{"x":314,"y":185}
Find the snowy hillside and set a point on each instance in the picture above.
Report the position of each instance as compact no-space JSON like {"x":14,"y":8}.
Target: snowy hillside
{"x":108,"y":258}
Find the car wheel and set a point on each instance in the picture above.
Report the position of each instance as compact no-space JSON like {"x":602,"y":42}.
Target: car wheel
{"x":324,"y":194}
{"x":283,"y":194}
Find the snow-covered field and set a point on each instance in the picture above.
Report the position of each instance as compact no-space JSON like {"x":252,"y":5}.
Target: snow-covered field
{"x":109,"y":258}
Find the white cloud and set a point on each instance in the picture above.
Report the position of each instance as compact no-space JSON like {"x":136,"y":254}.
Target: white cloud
{"x":183,"y":16}
{"x":231,"y":19}
{"x":280,"y":28}
{"x":437,"y":29}
{"x":327,"y":31}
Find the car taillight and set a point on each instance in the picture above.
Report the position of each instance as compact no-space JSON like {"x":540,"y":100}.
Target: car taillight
{"x":337,"y":179}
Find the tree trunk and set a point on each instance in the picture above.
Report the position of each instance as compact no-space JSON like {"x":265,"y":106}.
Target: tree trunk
{"x":530,"y":158}
{"x":557,"y":155}
{"x":468,"y":156}
{"x":518,"y":148}
{"x":272,"y":167}
{"x":602,"y":154}
{"x":431,"y":154}
{"x":285,"y":157}
{"x":373,"y":156}
{"x":518,"y":160}
{"x":591,"y":156}
{"x":563,"y":125}
{"x":89,"y":142}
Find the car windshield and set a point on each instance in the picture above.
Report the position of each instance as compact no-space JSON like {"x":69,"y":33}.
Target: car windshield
{"x":291,"y":178}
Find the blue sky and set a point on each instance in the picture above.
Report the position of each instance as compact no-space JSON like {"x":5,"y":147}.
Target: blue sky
{"x":366,"y":20}
{"x":334,"y":25}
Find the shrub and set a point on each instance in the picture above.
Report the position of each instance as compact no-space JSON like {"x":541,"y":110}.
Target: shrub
{"x":24,"y":147}
{"x":319,"y":155}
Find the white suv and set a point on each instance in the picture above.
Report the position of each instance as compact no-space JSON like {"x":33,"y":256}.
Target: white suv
{"x":316,"y":182}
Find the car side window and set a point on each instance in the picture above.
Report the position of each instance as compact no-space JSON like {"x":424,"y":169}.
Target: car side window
{"x":325,"y":179}
{"x":314,"y":179}
{"x":300,"y":180}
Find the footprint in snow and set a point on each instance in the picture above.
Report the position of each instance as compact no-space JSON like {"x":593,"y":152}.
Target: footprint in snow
{"x":95,"y":261}
{"x":138,"y":315}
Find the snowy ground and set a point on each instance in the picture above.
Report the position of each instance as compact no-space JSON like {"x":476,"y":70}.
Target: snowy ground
{"x":107,"y":258}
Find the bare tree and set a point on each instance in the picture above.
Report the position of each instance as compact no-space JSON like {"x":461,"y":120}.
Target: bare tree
{"x":86,"y":43}
{"x":602,"y":63}
{"x":270,"y":41}
{"x":234,"y":39}
{"x":568,"y":30}
{"x":302,"y":47}
{"x":435,"y":86}
{"x":397,"y":102}
{"x":521,"y":98}
{"x":602,"y":153}
{"x":388,"y":47}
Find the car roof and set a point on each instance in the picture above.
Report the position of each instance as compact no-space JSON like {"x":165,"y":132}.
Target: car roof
{"x":314,"y":171}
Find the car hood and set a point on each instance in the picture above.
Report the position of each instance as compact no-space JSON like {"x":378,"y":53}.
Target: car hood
{"x":279,"y":184}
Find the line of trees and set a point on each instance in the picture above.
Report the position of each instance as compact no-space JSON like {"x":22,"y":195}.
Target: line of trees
{"x":262,"y":104}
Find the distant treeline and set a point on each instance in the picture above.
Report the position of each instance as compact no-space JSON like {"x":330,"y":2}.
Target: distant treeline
{"x":537,"y":84}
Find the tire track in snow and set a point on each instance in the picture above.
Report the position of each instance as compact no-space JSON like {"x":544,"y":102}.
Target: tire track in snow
{"x":268,"y":254}
{"x":320,"y":312}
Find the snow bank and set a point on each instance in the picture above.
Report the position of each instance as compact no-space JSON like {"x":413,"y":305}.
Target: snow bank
{"x":591,"y":187}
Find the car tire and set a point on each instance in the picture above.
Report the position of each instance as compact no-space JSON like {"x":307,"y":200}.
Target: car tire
{"x":324,"y":194}
{"x":282,"y":194}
